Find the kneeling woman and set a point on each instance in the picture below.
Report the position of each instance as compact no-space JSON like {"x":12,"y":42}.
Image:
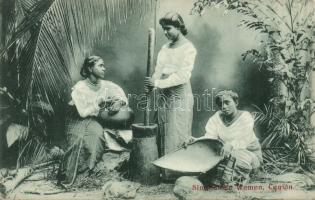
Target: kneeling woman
{"x":99,"y":104}
{"x":235,"y":128}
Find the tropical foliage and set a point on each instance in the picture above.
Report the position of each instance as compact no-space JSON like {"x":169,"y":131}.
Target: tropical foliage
{"x":287,"y":55}
{"x":48,"y":40}
{"x":58,"y":35}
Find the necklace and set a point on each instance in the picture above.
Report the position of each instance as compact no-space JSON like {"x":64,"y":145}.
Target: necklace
{"x":229,"y":120}
{"x":93,"y":86}
{"x":226,"y":121}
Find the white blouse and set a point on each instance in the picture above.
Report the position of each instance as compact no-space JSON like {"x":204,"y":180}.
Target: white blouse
{"x":86,"y":96}
{"x":174,"y":65}
{"x":240,"y":134}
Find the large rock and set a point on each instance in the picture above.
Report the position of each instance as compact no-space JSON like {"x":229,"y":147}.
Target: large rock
{"x":120,"y":190}
{"x":113,"y":161}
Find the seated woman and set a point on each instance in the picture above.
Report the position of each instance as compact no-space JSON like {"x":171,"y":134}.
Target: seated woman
{"x":235,"y":128}
{"x":242,"y":151}
{"x":99,"y":104}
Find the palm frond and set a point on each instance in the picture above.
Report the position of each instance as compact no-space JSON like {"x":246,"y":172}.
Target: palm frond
{"x":36,"y":13}
{"x":55,"y":36}
{"x":27,"y":5}
{"x":8,"y":21}
{"x":63,"y":32}
{"x":265,"y":115}
{"x":33,"y":152}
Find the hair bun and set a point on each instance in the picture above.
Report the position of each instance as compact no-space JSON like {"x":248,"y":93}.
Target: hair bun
{"x":88,"y":62}
{"x":174,"y":19}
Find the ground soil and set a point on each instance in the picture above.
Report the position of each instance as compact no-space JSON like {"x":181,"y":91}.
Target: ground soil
{"x":89,"y":186}
{"x":159,"y":192}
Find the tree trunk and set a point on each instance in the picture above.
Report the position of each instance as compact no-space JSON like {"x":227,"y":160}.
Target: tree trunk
{"x":279,"y":91}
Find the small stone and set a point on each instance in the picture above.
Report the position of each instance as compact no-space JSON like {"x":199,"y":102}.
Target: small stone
{"x":120,"y":190}
{"x":184,"y":186}
{"x":4,"y":172}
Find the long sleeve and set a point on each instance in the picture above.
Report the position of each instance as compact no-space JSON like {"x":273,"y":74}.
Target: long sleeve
{"x":240,"y":144}
{"x":84,"y":106}
{"x":86,"y":97}
{"x":158,"y":68}
{"x":211,"y":131}
{"x":248,"y":135}
{"x":183,"y":73}
{"x":116,"y":92}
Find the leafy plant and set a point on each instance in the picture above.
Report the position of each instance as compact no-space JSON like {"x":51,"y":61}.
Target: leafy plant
{"x":283,"y":141}
{"x":287,"y":55}
{"x":62,"y":34}
{"x":53,"y":37}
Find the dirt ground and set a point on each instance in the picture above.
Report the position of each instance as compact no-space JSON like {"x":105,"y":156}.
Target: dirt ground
{"x":91,"y":187}
{"x":23,"y":192}
{"x":160,"y":192}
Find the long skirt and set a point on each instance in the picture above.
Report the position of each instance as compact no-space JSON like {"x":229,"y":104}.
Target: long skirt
{"x":88,"y":138}
{"x":86,"y":145}
{"x":174,"y":118}
{"x":235,"y":168}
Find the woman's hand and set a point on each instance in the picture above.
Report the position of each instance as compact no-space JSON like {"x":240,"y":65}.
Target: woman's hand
{"x":188,"y":142}
{"x":103,"y":103}
{"x":115,"y":107}
{"x":148,"y":84}
{"x":227,"y":149}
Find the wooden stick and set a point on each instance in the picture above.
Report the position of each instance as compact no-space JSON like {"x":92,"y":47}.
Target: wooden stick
{"x":151,"y":44}
{"x":22,"y":174}
{"x":48,"y":193}
{"x":45,"y":164}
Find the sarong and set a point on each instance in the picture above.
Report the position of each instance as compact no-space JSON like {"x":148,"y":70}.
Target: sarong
{"x":174,"y":118}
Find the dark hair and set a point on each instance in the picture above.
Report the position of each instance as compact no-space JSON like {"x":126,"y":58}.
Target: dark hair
{"x":232,"y":94}
{"x":87,"y":64}
{"x":174,"y":19}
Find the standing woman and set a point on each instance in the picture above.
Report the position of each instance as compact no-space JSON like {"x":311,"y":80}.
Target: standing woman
{"x":171,"y":79}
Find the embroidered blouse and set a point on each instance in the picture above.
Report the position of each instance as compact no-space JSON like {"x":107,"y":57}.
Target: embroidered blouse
{"x":86,"y":96}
